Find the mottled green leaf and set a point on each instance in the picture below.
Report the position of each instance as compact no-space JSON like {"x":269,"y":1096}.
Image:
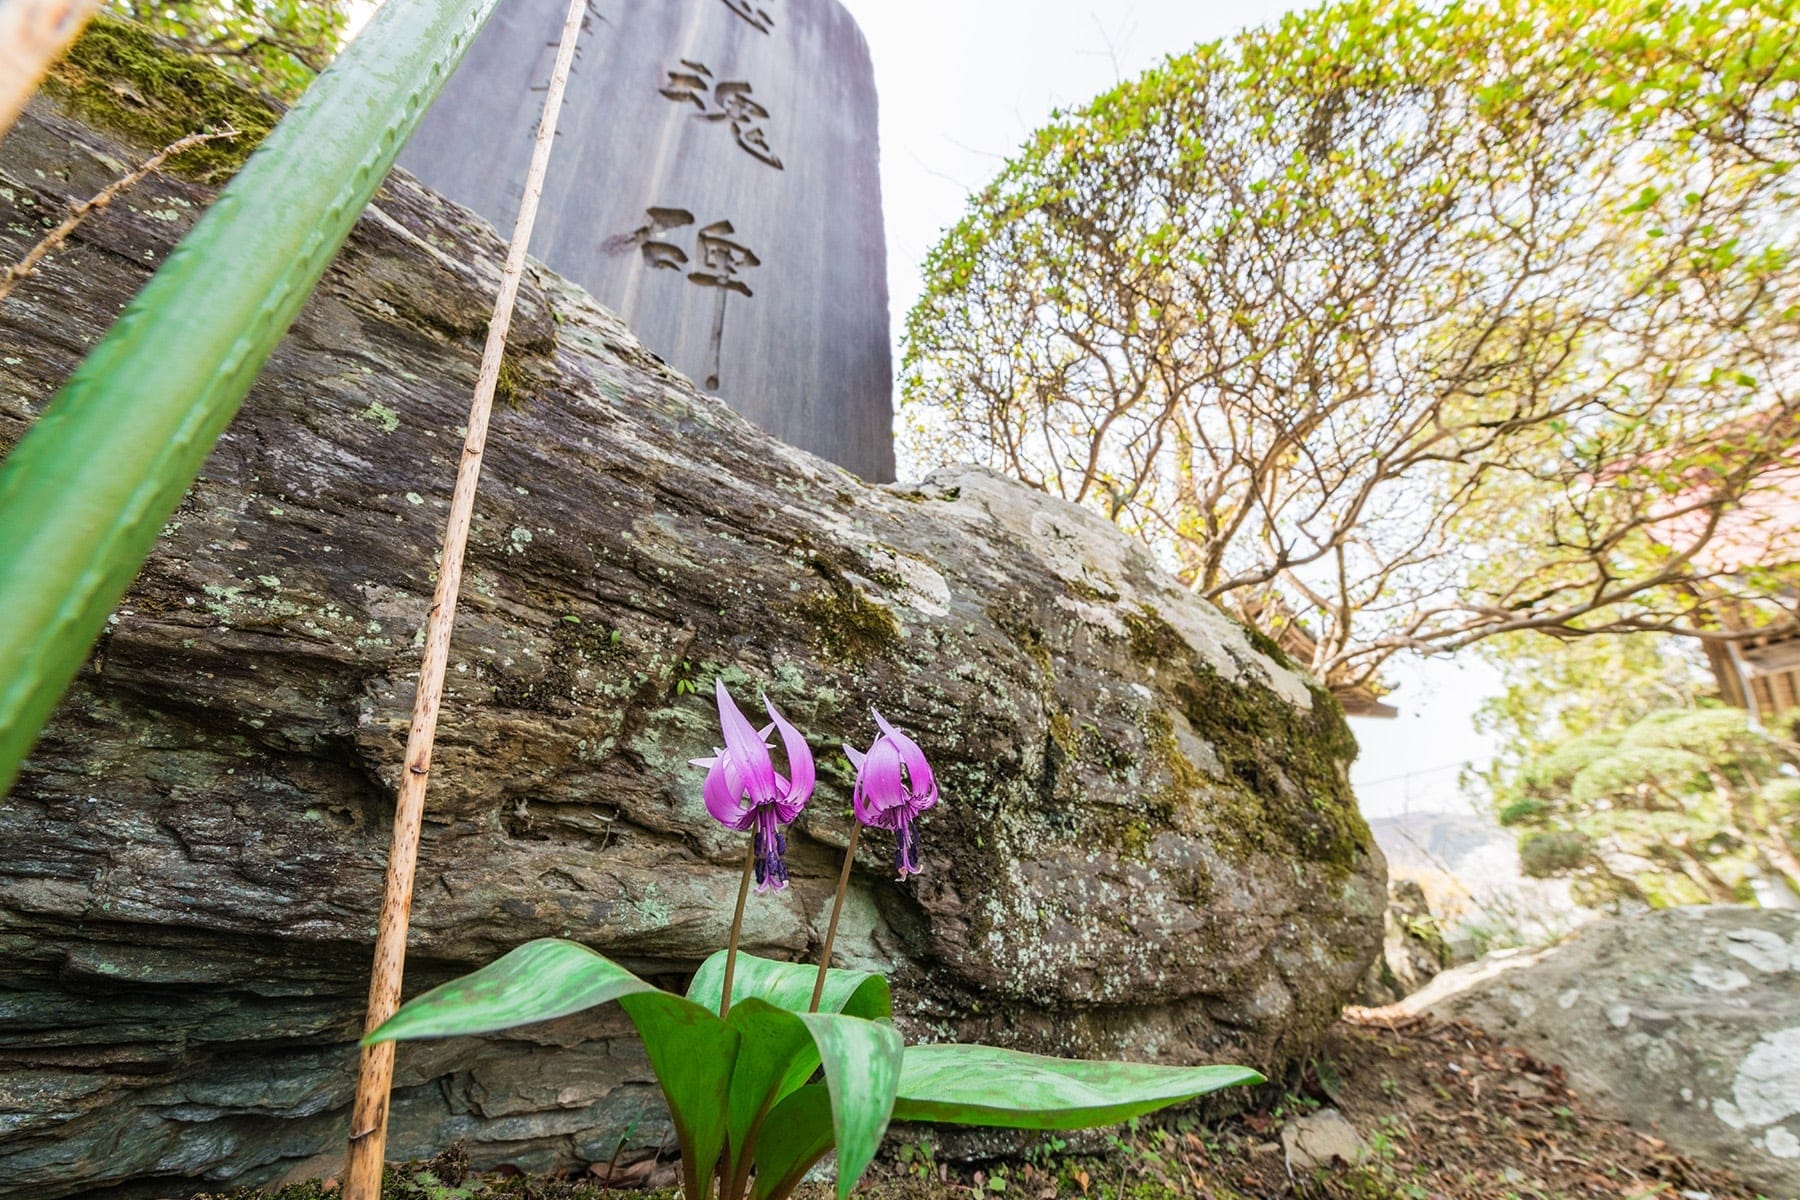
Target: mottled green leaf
{"x":862,"y":1067}
{"x":694,"y":1056}
{"x":692,"y":1051}
{"x":789,"y":985}
{"x":985,"y":1085}
{"x":776,"y":1056}
{"x":538,"y":981}
{"x":722,"y":1079}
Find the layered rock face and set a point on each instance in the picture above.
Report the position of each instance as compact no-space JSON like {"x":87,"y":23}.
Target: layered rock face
{"x":1147,"y":846}
{"x":1684,"y":1022}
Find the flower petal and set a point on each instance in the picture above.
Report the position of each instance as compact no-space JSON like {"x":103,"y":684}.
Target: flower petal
{"x":723,"y":800}
{"x":784,"y":811}
{"x":854,"y":755}
{"x":751,"y":755}
{"x":922,"y":783}
{"x":801,"y":773}
{"x":880,"y":796}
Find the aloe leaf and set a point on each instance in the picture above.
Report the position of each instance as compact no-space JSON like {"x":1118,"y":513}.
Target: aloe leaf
{"x":789,"y":985}
{"x":986,"y":1085}
{"x":797,"y":1134}
{"x":692,"y":1051}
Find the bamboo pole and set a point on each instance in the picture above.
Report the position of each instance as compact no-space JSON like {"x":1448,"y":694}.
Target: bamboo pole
{"x":368,"y":1116}
{"x":33,"y":34}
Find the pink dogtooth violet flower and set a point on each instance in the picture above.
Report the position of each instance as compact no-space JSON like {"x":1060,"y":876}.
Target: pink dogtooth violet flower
{"x":893,"y":786}
{"x":744,"y":791}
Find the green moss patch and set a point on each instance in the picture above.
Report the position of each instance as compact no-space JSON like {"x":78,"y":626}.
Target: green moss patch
{"x":574,"y":645}
{"x":1283,"y":766}
{"x":1017,"y":622}
{"x":847,"y":626}
{"x":1269,"y":647}
{"x":124,"y":79}
{"x":512,"y":386}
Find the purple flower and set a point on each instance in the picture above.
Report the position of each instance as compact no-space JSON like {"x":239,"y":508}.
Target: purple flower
{"x":744,"y":791}
{"x":893,"y":785}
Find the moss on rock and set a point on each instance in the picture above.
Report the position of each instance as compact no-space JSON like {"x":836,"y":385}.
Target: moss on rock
{"x":848,"y":627}
{"x":125,"y":79}
{"x":576,"y":646}
{"x":512,"y":386}
{"x":1269,"y":647}
{"x":1284,"y":767}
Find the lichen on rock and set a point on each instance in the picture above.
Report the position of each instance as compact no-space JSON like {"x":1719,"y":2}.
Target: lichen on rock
{"x":1684,"y":1022}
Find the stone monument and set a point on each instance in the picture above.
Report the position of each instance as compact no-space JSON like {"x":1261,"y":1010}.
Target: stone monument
{"x":715,"y":182}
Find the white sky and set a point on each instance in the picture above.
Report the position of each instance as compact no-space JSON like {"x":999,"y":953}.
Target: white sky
{"x":962,"y":82}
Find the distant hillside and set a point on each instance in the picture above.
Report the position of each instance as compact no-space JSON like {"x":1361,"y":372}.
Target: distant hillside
{"x":1469,"y":868}
{"x":1423,"y":840}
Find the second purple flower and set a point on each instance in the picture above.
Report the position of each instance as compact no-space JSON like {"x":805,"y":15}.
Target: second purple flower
{"x":894,"y":785}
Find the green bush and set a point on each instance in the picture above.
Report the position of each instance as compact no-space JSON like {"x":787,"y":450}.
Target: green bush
{"x":1542,"y":855}
{"x":1639,"y":776}
{"x":1782,"y":796}
{"x":1721,"y":736}
{"x":1521,"y":811}
{"x":1555,"y":770}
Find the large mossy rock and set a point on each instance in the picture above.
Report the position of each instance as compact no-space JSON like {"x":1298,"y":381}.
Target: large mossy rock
{"x":1684,"y":1022}
{"x":1147,"y":845}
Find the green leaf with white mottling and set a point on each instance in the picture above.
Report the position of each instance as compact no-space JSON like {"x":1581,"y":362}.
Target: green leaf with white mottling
{"x":862,"y":1068}
{"x":986,"y":1085}
{"x":692,"y":1051}
{"x":694,"y":1055}
{"x":789,"y":985}
{"x":538,"y":981}
{"x":776,"y":1056}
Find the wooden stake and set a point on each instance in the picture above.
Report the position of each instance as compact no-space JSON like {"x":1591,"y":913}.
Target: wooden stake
{"x":837,"y":908}
{"x":737,"y":926}
{"x":33,"y":34}
{"x":368,"y":1117}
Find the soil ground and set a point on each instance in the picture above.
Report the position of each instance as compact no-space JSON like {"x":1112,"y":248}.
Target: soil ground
{"x":1444,"y":1111}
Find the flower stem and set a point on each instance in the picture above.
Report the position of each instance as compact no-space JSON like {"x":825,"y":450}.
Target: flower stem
{"x":837,"y":908}
{"x":737,"y":926}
